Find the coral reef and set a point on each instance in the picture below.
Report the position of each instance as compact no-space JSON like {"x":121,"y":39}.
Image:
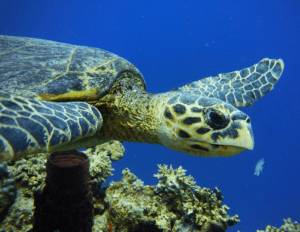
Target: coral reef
{"x":66,"y":201}
{"x":20,"y":215}
{"x":288,"y":226}
{"x":30,"y":172}
{"x":175,"y":204}
{"x":8,"y":188}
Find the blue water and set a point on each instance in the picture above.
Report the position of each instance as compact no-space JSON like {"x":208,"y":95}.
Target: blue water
{"x":176,"y":42}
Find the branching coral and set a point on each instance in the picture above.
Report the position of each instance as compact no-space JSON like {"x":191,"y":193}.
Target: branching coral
{"x":173,"y":180}
{"x":100,"y":159}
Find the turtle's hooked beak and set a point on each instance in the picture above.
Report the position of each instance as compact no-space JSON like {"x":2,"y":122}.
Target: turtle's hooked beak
{"x":240,"y":139}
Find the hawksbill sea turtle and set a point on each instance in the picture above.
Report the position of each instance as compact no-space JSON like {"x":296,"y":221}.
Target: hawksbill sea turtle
{"x":57,"y":97}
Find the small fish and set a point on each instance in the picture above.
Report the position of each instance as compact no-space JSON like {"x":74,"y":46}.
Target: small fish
{"x":259,"y":166}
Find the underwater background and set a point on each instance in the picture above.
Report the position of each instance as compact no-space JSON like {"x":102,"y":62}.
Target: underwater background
{"x":176,"y":42}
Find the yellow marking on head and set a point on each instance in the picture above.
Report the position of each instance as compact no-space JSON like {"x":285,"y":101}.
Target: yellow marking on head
{"x":216,"y":129}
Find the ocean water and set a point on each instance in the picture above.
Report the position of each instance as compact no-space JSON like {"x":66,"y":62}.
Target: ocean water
{"x":176,"y":42}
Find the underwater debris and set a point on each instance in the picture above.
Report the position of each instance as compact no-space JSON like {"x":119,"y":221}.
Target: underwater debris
{"x":66,"y":201}
{"x":288,"y":226}
{"x":259,"y":167}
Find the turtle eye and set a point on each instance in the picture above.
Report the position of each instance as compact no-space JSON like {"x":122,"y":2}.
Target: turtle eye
{"x":216,"y":119}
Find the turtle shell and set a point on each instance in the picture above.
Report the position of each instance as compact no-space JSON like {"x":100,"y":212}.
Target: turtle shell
{"x":53,"y":71}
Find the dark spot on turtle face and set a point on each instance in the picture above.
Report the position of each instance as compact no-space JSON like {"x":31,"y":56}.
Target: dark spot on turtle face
{"x":196,"y":110}
{"x":11,"y":105}
{"x":179,"y":109}
{"x":183,"y":134}
{"x":198,"y":147}
{"x":230,"y":132}
{"x":191,"y":120}
{"x":188,"y":98}
{"x":215,"y":146}
{"x":215,"y":136}
{"x":216,"y":119}
{"x":202,"y":130}
{"x":168,"y":114}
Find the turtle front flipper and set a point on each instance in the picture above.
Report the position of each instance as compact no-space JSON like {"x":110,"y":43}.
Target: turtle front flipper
{"x":240,"y":88}
{"x":29,"y":126}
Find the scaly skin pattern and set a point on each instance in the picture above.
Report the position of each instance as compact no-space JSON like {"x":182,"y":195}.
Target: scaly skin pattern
{"x":180,"y":121}
{"x":31,"y":126}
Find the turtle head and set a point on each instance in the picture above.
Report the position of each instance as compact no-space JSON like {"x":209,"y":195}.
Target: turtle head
{"x":204,"y":126}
